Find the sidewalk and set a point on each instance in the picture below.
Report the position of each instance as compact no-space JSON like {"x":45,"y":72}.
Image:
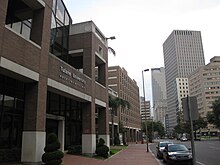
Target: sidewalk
{"x":135,"y":154}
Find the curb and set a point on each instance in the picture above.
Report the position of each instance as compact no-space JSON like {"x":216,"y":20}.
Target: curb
{"x":155,"y":157}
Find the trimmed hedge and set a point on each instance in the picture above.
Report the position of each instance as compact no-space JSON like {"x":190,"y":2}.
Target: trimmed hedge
{"x":101,"y":149}
{"x":52,"y":155}
{"x":77,"y":149}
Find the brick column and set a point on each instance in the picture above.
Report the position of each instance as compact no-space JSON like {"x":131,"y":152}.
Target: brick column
{"x":88,"y":129}
{"x":3,"y":11}
{"x":103,"y":125}
{"x":33,"y":140}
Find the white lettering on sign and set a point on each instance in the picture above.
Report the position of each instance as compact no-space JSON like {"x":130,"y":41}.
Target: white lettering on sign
{"x":64,"y":70}
{"x":72,"y":76}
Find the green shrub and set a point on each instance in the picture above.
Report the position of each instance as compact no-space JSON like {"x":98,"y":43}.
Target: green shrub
{"x":77,"y":149}
{"x":101,"y":142}
{"x":117,"y":141}
{"x":52,"y":155}
{"x":8,"y":155}
{"x":101,"y":149}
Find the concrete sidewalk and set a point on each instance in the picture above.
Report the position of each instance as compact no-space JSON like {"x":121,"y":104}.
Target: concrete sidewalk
{"x":134,"y":154}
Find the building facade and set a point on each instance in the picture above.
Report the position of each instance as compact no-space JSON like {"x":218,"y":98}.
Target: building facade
{"x":47,"y":80}
{"x":183,"y":53}
{"x":182,"y":91}
{"x":145,"y":110}
{"x":159,"y":95}
{"x":128,"y":90}
{"x":204,"y":83}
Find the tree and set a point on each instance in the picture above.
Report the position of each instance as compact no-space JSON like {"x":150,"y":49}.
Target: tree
{"x":110,"y":49}
{"x":114,"y":104}
{"x":184,"y":127}
{"x":214,"y":116}
{"x":200,"y":123}
{"x":153,"y":126}
{"x":210,"y":117}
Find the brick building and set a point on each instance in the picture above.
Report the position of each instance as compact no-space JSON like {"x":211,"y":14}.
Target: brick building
{"x":47,"y":79}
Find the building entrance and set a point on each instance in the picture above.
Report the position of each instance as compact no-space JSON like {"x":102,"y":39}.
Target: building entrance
{"x":51,"y":126}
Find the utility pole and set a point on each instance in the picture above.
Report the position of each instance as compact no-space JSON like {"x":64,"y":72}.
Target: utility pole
{"x":146,"y":109}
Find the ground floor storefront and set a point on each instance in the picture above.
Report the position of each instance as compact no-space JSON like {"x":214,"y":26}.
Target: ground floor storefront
{"x":24,"y":128}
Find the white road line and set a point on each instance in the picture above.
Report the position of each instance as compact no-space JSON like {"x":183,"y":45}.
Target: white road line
{"x":200,"y":163}
{"x":215,"y":148}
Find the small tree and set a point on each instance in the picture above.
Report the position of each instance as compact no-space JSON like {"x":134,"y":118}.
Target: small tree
{"x":114,"y":104}
{"x":216,"y":113}
{"x":52,"y":155}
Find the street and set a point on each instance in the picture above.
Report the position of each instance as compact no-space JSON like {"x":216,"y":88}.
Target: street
{"x":207,"y":152}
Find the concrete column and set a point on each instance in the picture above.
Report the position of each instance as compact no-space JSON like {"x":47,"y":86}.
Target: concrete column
{"x":61,"y":133}
{"x":33,"y":143}
{"x":88,"y":144}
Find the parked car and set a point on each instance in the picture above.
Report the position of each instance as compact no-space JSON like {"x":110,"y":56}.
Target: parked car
{"x":160,"y":147}
{"x":177,"y":154}
{"x":183,"y":139}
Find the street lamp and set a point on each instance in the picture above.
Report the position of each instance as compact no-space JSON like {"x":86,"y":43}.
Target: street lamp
{"x":145,"y":107}
{"x":111,"y":38}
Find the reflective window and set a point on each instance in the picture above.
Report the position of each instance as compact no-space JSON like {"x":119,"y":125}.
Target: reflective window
{"x":11,"y":117}
{"x":72,"y":111}
{"x":60,"y":11}
{"x":19,"y":17}
{"x":60,"y":23}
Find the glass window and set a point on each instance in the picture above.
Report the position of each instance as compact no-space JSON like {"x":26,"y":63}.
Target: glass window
{"x":67,"y":19}
{"x":11,"y":122}
{"x":26,"y":31}
{"x":60,"y":11}
{"x":17,"y":27}
{"x":19,"y":16}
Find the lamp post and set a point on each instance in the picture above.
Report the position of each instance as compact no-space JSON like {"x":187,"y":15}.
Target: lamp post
{"x":145,"y":107}
{"x":152,"y":128}
{"x":111,"y":38}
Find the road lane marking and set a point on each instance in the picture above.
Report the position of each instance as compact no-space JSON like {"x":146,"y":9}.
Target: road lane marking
{"x":200,"y":163}
{"x":215,"y":148}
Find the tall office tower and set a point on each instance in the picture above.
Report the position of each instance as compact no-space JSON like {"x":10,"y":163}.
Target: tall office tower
{"x":127,"y":89}
{"x":159,"y":94}
{"x":183,"y":53}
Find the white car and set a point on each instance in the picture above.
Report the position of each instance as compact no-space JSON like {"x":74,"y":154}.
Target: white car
{"x":183,"y":139}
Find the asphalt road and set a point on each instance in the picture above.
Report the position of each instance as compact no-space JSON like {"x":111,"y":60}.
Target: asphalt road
{"x":207,"y":152}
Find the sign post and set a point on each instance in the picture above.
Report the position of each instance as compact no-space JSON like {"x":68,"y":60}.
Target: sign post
{"x":190,"y":112}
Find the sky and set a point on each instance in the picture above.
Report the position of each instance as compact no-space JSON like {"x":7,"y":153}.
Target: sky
{"x":142,"y":26}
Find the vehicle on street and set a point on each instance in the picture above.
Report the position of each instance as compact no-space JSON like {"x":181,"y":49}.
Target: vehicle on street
{"x":184,"y":137}
{"x":177,"y":154}
{"x":160,"y":147}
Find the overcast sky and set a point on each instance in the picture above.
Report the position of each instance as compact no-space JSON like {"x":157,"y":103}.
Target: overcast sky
{"x":141,"y":27}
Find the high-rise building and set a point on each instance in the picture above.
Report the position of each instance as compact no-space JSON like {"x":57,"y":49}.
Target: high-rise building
{"x":128,"y":90}
{"x":183,"y":53}
{"x":145,"y":110}
{"x":204,"y":83}
{"x":159,"y":95}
